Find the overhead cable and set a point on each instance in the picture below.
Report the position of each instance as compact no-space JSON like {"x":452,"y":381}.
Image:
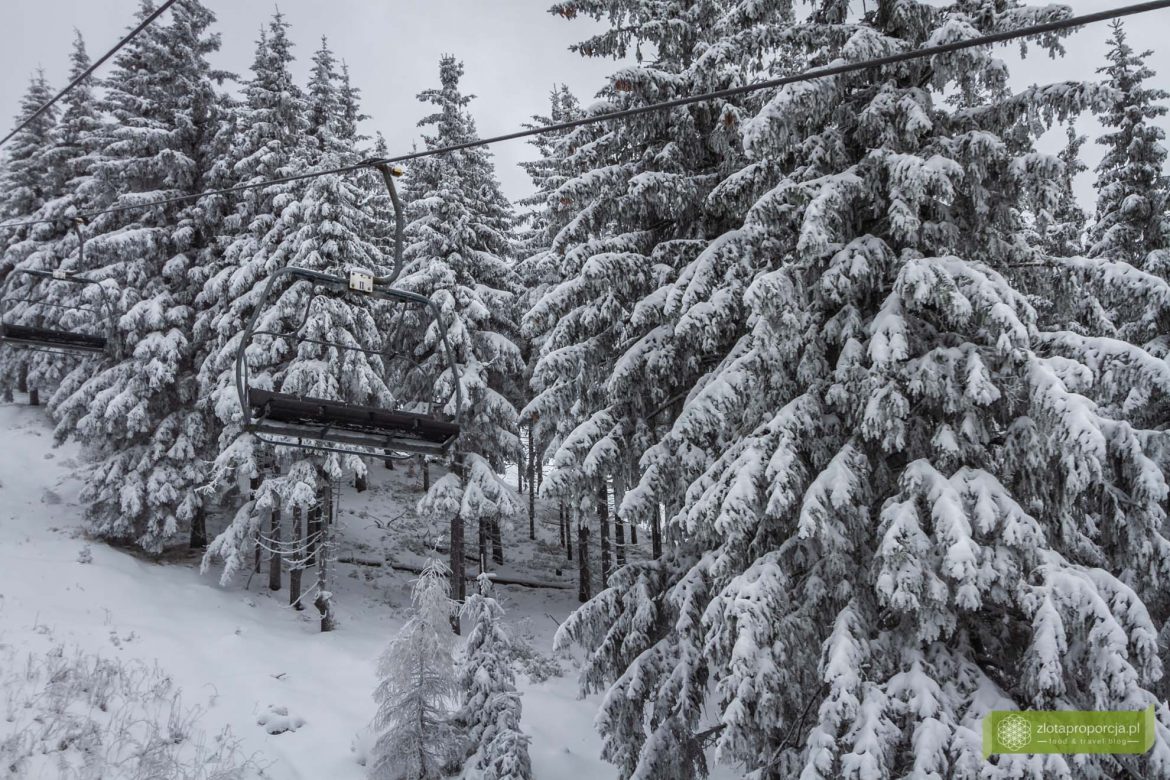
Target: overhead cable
{"x":810,"y":75}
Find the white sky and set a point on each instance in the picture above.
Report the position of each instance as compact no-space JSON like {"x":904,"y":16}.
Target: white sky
{"x":514,"y":52}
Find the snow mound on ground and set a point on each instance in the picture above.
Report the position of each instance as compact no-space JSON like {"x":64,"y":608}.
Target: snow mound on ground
{"x":277,"y":720}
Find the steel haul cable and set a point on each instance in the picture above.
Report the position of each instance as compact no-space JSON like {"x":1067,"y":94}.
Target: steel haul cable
{"x":90,"y":70}
{"x":818,"y":73}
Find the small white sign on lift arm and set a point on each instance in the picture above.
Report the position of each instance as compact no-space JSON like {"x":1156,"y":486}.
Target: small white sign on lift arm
{"x":361,"y":280}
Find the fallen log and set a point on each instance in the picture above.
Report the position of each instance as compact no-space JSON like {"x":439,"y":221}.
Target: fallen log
{"x":358,"y":560}
{"x":496,"y":578}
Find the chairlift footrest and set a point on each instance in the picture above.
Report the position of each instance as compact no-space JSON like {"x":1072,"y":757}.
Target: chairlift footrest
{"x":26,"y":335}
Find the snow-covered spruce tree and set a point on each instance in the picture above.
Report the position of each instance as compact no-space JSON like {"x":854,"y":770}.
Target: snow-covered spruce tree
{"x":1129,"y":242}
{"x":918,"y":516}
{"x":1130,"y":237}
{"x":137,"y":417}
{"x":268,"y":129}
{"x":322,"y":227}
{"x":539,"y":268}
{"x":24,"y":178}
{"x":416,"y":688}
{"x":68,"y":156}
{"x":1133,"y":191}
{"x":1057,"y":294}
{"x":26,"y":183}
{"x":1064,"y":227}
{"x":68,"y":161}
{"x":616,"y":360}
{"x":459,"y":253}
{"x":64,"y":160}
{"x":351,"y":115}
{"x":490,"y":712}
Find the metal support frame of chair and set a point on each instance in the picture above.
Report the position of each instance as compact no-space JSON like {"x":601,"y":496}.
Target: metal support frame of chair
{"x":36,"y":338}
{"x":333,"y":426}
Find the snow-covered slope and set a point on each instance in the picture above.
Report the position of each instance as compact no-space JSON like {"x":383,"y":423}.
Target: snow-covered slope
{"x":242,"y":655}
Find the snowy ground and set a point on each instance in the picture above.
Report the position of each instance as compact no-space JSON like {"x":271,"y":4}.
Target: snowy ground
{"x":241,"y":654}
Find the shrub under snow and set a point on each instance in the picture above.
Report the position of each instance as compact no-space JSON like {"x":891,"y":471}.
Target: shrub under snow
{"x":69,"y":714}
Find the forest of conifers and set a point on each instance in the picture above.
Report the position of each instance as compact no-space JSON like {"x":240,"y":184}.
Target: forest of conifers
{"x":883,"y":404}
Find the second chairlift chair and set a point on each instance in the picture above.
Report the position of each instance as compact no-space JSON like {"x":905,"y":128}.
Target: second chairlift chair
{"x":20,"y":330}
{"x":283,"y":419}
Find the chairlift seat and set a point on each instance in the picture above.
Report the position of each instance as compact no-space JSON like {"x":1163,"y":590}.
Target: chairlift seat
{"x":28,"y":336}
{"x":336,"y":421}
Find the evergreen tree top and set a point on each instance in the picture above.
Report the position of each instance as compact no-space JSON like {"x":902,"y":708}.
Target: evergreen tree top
{"x":25,"y":179}
{"x":1132,"y":188}
{"x":79,"y":115}
{"x":1127,"y":69}
{"x":453,"y":125}
{"x":351,"y":115}
{"x":459,"y":249}
{"x":324,"y":105}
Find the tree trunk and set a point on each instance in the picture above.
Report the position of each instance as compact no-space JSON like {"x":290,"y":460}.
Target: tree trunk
{"x":603,"y":525}
{"x":426,"y":473}
{"x":619,"y":533}
{"x":274,"y":541}
{"x":665,"y":511}
{"x":568,"y":533}
{"x":633,"y":520}
{"x":458,"y":584}
{"x":561,"y":523}
{"x":531,"y":487}
{"x":656,"y":532}
{"x":198,"y":538}
{"x":253,"y":486}
{"x":22,"y":378}
{"x":296,"y":560}
{"x":313,"y":528}
{"x":34,"y":397}
{"x":584,"y":586}
{"x":324,"y":600}
{"x":482,"y":534}
{"x":619,"y":522}
{"x":497,"y":542}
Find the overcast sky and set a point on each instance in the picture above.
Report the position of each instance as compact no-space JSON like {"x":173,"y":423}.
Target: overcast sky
{"x":514,"y":52}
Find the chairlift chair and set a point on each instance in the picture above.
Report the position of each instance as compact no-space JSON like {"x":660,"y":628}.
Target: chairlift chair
{"x":325,"y":425}
{"x":18,"y":332}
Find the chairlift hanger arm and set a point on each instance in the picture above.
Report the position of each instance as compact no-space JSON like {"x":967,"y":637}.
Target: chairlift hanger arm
{"x":339,"y":284}
{"x":389,"y":172}
{"x":59,"y":275}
